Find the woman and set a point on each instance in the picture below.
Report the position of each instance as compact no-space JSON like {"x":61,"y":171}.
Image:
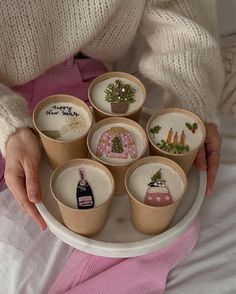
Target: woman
{"x":182,"y":55}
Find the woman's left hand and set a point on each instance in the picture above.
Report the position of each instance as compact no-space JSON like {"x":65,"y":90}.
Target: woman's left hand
{"x":208,"y":157}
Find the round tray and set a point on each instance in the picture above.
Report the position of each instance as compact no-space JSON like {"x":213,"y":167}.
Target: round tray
{"x":119,"y":238}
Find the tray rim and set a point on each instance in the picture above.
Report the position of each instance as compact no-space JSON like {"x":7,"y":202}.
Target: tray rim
{"x":127,"y":249}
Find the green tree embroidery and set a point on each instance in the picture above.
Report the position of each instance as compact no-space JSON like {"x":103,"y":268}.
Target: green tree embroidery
{"x":156,"y":176}
{"x":117,"y":145}
{"x":155,"y":130}
{"x":119,"y":92}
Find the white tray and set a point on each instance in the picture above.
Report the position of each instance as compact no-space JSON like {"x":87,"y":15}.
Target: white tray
{"x":119,"y":238}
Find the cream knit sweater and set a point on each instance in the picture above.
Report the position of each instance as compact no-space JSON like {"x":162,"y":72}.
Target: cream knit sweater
{"x":183,"y":54}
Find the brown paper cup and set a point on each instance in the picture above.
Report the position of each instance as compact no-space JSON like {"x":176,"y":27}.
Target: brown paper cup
{"x":149,"y":219}
{"x":118,"y":170}
{"x":56,"y":150}
{"x":87,"y":222}
{"x":100,"y":114}
{"x":185,"y":160}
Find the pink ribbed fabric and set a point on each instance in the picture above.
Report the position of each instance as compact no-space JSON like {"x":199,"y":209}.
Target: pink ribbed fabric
{"x":71,"y":77}
{"x":89,"y":274}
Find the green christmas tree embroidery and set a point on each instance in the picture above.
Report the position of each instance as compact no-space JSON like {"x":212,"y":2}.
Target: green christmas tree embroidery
{"x":117,"y":145}
{"x":119,"y":92}
{"x":156,"y":176}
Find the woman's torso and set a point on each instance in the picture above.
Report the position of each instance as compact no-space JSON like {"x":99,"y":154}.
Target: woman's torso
{"x":35,"y":35}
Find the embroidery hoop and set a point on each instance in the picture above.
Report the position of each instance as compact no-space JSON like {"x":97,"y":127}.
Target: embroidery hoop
{"x":127,"y":242}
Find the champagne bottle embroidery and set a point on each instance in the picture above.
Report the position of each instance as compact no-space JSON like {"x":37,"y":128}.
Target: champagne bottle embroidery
{"x":84,"y":192}
{"x":157,"y":193}
{"x":117,"y":142}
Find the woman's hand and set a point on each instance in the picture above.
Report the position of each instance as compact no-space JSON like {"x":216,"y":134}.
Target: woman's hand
{"x":21,"y":172}
{"x":208,"y":158}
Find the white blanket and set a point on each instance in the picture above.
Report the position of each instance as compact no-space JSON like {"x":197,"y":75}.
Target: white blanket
{"x":30,"y":261}
{"x":211,"y":268}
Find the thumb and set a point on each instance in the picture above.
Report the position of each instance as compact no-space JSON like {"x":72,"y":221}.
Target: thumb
{"x":32,"y":181}
{"x":200,"y":160}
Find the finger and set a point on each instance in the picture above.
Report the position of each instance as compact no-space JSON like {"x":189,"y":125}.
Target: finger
{"x":213,"y":146}
{"x":32,"y":181}
{"x":200,"y":160}
{"x":17,"y":186}
{"x":213,"y":142}
{"x":213,"y":166}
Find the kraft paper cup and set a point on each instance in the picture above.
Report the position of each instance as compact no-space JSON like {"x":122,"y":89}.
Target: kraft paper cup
{"x":186,"y":159}
{"x":87,"y":222}
{"x":101,"y":112}
{"x":118,"y":170}
{"x":150,"y":219}
{"x":57,"y":150}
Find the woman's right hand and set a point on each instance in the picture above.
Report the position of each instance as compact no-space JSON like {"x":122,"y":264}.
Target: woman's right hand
{"x":208,"y":157}
{"x":22,"y":158}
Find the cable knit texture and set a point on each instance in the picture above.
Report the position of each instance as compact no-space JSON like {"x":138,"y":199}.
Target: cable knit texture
{"x":183,"y":54}
{"x":13,"y":114}
{"x":228,"y":101}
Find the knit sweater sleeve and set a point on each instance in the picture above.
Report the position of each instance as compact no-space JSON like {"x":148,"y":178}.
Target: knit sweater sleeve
{"x":184,"y":55}
{"x":13,"y":115}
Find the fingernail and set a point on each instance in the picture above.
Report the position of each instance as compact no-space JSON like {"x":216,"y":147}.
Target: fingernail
{"x":209,"y":192}
{"x":33,"y":196}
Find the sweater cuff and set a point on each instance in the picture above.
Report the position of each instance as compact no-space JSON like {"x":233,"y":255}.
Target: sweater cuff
{"x":13,"y":115}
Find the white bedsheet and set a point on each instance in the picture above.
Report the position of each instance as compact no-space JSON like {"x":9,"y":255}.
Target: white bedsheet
{"x":30,"y":260}
{"x":211,"y":268}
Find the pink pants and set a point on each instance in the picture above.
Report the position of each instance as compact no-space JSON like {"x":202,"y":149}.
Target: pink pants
{"x":85,"y":273}
{"x":71,"y":77}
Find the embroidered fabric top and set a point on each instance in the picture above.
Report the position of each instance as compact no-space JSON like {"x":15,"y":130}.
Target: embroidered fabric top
{"x":117,"y":142}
